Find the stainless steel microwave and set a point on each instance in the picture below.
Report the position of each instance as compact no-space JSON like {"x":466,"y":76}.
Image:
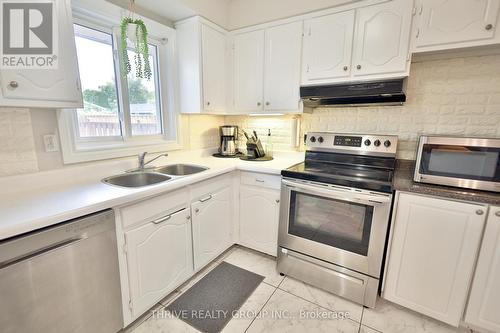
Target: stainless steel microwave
{"x":461,"y":162}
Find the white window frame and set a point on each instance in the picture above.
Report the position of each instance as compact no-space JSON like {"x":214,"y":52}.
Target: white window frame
{"x":76,"y":149}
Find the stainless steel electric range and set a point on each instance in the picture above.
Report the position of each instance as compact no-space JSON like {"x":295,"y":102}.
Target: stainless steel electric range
{"x":335,"y":213}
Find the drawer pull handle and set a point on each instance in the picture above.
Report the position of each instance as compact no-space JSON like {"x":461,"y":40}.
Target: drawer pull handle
{"x":206,"y":199}
{"x":260,"y":181}
{"x":162,"y":219}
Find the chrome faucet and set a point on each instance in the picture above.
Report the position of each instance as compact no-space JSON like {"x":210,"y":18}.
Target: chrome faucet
{"x":141,"y":161}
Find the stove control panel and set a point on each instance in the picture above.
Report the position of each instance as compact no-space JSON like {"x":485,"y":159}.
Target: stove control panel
{"x":368,"y":144}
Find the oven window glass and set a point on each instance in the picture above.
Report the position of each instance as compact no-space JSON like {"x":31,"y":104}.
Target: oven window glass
{"x":341,"y":224}
{"x":475,"y":163}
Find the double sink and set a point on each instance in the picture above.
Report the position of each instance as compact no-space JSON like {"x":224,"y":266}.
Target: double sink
{"x":153,"y":176}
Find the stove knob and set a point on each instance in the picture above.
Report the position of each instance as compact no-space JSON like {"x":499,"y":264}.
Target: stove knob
{"x":387,"y":143}
{"x":376,"y":143}
{"x":368,"y":142}
{"x":320,"y":139}
{"x":313,"y":139}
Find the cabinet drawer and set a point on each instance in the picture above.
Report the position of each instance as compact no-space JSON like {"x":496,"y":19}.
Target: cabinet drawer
{"x":261,"y":179}
{"x":153,"y":208}
{"x":207,"y":187}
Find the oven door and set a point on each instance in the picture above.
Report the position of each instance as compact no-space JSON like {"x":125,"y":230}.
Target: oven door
{"x":462,"y":162}
{"x":343,"y":226}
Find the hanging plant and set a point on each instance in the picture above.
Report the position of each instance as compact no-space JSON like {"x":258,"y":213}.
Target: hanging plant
{"x":135,"y":31}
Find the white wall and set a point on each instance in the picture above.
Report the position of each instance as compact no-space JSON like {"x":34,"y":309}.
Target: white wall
{"x":243,"y":13}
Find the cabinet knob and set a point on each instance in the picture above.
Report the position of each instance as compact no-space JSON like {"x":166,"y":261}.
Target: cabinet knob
{"x":267,"y":103}
{"x":277,"y":200}
{"x":346,"y":68}
{"x":13,"y":84}
{"x":259,"y":103}
{"x":196,"y":210}
{"x":479,"y":212}
{"x":498,"y":213}
{"x":358,"y":66}
{"x":208,"y":103}
{"x":489,"y":26}
{"x":188,"y":217}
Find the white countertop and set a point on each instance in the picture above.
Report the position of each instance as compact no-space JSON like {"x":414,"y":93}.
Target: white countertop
{"x":33,"y":201}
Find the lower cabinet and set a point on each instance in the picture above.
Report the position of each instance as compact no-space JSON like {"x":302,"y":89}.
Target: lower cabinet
{"x":212,"y":225}
{"x":159,"y":258}
{"x":484,"y":300}
{"x":259,"y":218}
{"x":432,"y":255}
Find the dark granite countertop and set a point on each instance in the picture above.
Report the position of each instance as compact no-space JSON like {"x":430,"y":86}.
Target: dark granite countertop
{"x":403,"y":181}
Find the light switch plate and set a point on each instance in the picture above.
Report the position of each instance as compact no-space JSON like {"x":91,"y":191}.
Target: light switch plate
{"x":50,"y":142}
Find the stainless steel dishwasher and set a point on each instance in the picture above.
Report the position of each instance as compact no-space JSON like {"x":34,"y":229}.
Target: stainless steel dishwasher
{"x":62,"y":279}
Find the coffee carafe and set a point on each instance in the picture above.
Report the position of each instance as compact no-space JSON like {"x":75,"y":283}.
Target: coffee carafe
{"x":228,"y":140}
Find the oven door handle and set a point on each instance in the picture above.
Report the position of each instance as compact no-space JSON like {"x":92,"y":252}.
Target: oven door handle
{"x":366,"y":199}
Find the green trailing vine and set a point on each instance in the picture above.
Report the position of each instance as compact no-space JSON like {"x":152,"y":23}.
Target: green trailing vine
{"x":141,"y":58}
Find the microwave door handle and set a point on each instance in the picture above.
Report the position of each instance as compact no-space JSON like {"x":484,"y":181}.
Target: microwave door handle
{"x":370,"y":200}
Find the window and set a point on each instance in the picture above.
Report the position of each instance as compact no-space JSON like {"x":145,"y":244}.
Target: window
{"x":100,"y":116}
{"x":122,"y":114}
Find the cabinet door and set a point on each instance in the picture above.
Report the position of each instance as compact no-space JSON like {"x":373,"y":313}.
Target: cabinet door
{"x":282,"y":67}
{"x":159,"y":258}
{"x":211,"y":226}
{"x":444,"y":23}
{"x":48,"y":87}
{"x":249,"y":71}
{"x":484,"y":300}
{"x":432,"y":255}
{"x":327,"y":48}
{"x":382,"y":39}
{"x":214,"y":69}
{"x":259,"y":218}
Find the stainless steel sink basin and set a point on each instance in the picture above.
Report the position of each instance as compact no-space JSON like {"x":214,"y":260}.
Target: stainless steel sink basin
{"x":180,"y":169}
{"x":136,"y":179}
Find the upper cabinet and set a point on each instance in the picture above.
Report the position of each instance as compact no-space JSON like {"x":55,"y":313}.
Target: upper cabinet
{"x":382,"y":40}
{"x":267,"y":69}
{"x":203,"y":64}
{"x":53,"y":88}
{"x":367,"y":43}
{"x":249,"y":71}
{"x":449,"y":24}
{"x":328,"y":48}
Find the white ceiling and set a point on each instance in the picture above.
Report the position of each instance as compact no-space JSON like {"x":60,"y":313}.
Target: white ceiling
{"x":230,"y":14}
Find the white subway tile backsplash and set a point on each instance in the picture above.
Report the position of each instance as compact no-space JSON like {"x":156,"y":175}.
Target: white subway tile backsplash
{"x":17,"y":147}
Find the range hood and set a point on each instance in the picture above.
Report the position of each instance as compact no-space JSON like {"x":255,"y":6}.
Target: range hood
{"x":389,"y":92}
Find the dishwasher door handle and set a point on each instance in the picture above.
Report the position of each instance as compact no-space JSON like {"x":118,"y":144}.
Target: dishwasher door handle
{"x":39,"y":252}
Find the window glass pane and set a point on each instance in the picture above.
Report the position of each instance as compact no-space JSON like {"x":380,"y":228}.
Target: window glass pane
{"x":145,"y":111}
{"x":100,"y":114}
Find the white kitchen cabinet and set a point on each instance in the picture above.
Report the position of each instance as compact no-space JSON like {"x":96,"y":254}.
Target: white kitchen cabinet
{"x":267,"y":69}
{"x":449,"y":24}
{"x":202,"y":57}
{"x":259,"y":218}
{"x":212,"y":225}
{"x":283,"y":49}
{"x":249,"y":71}
{"x":51,"y":88}
{"x":432,"y":255}
{"x":327,"y":48}
{"x":484,"y":300}
{"x":159,"y":259}
{"x":382,"y":40}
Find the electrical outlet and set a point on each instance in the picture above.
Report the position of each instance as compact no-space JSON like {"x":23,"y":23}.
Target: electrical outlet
{"x":50,"y":142}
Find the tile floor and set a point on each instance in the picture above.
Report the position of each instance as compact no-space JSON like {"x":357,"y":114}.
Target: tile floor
{"x":281,"y":304}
